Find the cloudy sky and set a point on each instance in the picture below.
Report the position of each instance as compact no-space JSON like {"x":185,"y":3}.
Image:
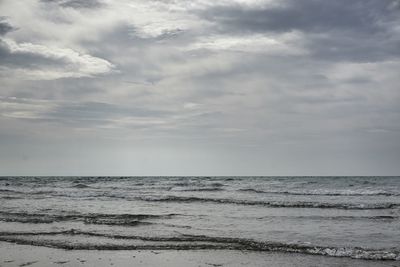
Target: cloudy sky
{"x":200,"y":87}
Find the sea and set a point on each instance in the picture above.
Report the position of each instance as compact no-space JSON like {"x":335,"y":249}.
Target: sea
{"x":354,"y":217}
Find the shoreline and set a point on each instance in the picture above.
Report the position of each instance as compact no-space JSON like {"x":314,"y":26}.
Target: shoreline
{"x":27,"y":255}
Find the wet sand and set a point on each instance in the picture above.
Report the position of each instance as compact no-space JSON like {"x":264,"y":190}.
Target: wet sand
{"x":25,"y":255}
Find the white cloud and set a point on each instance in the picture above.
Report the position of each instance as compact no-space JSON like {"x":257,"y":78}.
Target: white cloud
{"x":284,"y":44}
{"x":70,"y":63}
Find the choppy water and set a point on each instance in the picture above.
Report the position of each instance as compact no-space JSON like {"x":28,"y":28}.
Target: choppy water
{"x":357,"y":217}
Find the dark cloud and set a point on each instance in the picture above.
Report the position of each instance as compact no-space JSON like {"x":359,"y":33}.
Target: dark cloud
{"x":366,"y":16}
{"x":76,"y":3}
{"x":356,"y":47}
{"x":358,"y":30}
{"x":5,"y":27}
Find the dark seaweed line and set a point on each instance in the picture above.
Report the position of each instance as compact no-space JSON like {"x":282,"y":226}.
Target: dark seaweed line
{"x":191,"y":242}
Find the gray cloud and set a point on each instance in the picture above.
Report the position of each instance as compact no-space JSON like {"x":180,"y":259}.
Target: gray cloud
{"x":355,"y":47}
{"x":361,"y":30}
{"x":5,"y":27}
{"x":26,"y":59}
{"x":83,"y":114}
{"x":76,"y":3}
{"x":366,"y":16}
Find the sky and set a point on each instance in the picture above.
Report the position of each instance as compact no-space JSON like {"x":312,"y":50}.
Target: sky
{"x":200,"y":87}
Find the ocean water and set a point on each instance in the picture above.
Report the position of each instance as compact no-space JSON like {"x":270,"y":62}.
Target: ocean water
{"x":355,"y":217}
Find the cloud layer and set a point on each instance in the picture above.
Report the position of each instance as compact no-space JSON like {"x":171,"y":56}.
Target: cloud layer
{"x":226,"y":87}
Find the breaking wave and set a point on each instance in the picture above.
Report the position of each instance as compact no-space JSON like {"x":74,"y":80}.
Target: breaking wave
{"x":342,"y":193}
{"x":273,"y":204}
{"x":187,"y":242}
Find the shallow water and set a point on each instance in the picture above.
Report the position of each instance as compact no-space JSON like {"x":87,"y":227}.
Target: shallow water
{"x":357,"y":217}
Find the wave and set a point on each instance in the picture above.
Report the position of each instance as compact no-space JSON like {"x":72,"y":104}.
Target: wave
{"x":197,"y":183}
{"x":79,"y":185}
{"x":273,"y":204}
{"x":11,"y":197}
{"x":201,"y":189}
{"x":191,"y":242}
{"x":40,"y":192}
{"x":92,"y":218}
{"x":388,"y":218}
{"x":365,"y":193}
{"x":12,"y":192}
{"x":6,"y":191}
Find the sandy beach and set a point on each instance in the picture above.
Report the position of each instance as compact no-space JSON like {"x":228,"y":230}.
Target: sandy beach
{"x":25,"y":255}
